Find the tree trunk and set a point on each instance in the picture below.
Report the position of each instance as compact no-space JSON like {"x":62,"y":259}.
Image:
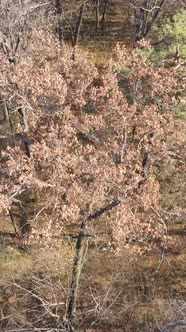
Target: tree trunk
{"x":76,"y":273}
{"x":104,"y":13}
{"x":147,"y":18}
{"x":78,"y":29}
{"x":141,"y":22}
{"x":153,"y":18}
{"x":59,"y":12}
{"x":97,"y":14}
{"x":16,"y":230}
{"x":78,"y":260}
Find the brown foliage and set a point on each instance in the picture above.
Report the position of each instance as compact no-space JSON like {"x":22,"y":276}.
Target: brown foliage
{"x":86,"y":143}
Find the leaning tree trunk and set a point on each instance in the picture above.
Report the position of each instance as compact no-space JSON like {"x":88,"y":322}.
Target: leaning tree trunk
{"x":77,"y":267}
{"x":76,"y":273}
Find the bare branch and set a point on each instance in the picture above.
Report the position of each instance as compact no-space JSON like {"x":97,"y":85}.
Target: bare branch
{"x":173,"y":326}
{"x":103,"y":210}
{"x":145,"y":9}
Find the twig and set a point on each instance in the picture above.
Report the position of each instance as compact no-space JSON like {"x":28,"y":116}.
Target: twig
{"x":160,"y":217}
{"x":173,"y":326}
{"x":44,"y":303}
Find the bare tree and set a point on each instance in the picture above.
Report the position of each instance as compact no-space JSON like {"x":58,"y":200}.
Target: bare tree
{"x":17,"y":19}
{"x":146,"y":12}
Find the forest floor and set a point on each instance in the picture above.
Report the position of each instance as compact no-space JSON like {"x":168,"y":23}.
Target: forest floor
{"x":99,"y":43}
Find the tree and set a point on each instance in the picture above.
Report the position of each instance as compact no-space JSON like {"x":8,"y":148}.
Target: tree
{"x":170,"y":39}
{"x":92,"y":144}
{"x":148,"y":11}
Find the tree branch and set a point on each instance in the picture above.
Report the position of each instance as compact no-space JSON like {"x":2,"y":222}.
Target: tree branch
{"x":145,"y":9}
{"x":173,"y":326}
{"x":103,"y":210}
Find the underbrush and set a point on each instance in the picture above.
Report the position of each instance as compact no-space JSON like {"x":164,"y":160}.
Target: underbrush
{"x":125,"y":292}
